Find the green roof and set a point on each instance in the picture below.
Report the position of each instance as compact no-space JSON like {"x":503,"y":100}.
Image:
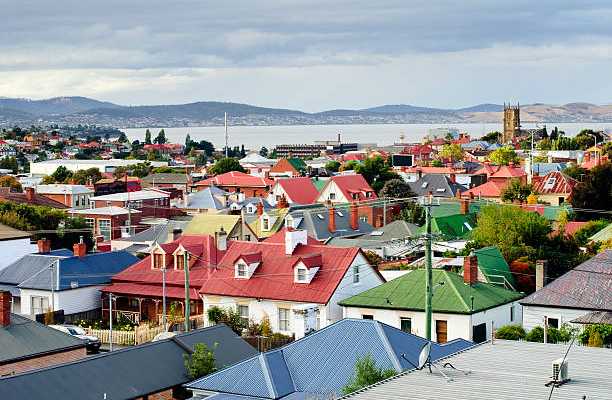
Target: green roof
{"x":493,"y":266}
{"x":208,"y":224}
{"x":454,"y":296}
{"x":297,"y":163}
{"x":319,"y":184}
{"x":603,"y":235}
{"x":452,"y":207}
{"x":456,"y":226}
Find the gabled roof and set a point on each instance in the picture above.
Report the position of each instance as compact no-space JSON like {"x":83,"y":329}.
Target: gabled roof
{"x":128,"y":373}
{"x":439,"y":185}
{"x":506,"y":171}
{"x":236,"y":178}
{"x":489,"y":189}
{"x":25,"y":338}
{"x":205,"y":198}
{"x":208,"y":224}
{"x":37,"y":200}
{"x":271,"y":279}
{"x":585,"y":287}
{"x":315,"y":220}
{"x":494,"y":267}
{"x":454,"y":297}
{"x":352,"y":184}
{"x":554,"y":182}
{"x":255,"y":222}
{"x":299,"y":190}
{"x":603,"y":235}
{"x":321,"y":363}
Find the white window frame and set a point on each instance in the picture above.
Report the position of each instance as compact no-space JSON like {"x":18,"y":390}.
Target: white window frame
{"x":40,"y":306}
{"x":356,"y":275}
{"x":265,"y":223}
{"x":284,"y":319}
{"x":301,"y":278}
{"x":110,"y":228}
{"x":242,"y":270}
{"x":244,"y":316}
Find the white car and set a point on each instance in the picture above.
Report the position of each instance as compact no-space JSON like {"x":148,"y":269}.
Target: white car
{"x":93,"y":343}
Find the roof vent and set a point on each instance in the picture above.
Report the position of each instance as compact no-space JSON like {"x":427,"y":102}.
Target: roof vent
{"x":559,"y":371}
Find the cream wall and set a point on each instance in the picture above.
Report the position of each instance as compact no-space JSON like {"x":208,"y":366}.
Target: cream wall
{"x":331,"y":187}
{"x":534,"y":315}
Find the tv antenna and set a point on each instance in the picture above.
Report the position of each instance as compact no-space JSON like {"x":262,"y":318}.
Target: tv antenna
{"x":425,"y":361}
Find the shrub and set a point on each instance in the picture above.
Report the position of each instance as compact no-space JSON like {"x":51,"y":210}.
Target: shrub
{"x":535,"y":335}
{"x":228,"y":316}
{"x":603,"y":330}
{"x":595,"y":340}
{"x":366,"y":374}
{"x":201,"y":362}
{"x":510,"y":332}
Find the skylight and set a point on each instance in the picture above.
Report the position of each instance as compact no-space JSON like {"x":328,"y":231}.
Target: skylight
{"x":339,"y":213}
{"x":320,"y":216}
{"x":440,"y":190}
{"x":424,"y":184}
{"x":376,"y":233}
{"x":467,"y":225}
{"x":550,"y":183}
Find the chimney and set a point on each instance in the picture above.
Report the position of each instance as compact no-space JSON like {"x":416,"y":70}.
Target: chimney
{"x":29,"y":193}
{"x":282,"y":203}
{"x":44,"y":245}
{"x":331,"y":225}
{"x":259,"y":208}
{"x":419,"y":173}
{"x":174,"y":234}
{"x":294,"y":237}
{"x":464,"y":206}
{"x":470,"y":269}
{"x":354,"y":217}
{"x":5,"y":308}
{"x":80,"y":249}
{"x":221,"y":237}
{"x":453,"y":178}
{"x":541,"y":272}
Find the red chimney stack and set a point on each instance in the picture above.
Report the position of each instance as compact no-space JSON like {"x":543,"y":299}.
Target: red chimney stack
{"x":331,"y":226}
{"x":259,"y":208}
{"x":5,"y":308}
{"x":464,"y":206}
{"x":354,"y":218}
{"x":44,"y":245}
{"x":470,"y":269}
{"x":29,"y":193}
{"x":80,"y":249}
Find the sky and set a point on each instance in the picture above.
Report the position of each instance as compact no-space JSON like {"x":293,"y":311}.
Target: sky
{"x":309,"y":55}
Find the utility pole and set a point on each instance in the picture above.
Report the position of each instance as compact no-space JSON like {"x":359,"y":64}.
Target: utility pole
{"x":385,"y":211}
{"x":54,"y":270}
{"x":427,"y":204}
{"x":110,"y":321}
{"x":129,"y":207}
{"x":187,"y":305}
{"x":226,"y":138}
{"x":164,"y":320}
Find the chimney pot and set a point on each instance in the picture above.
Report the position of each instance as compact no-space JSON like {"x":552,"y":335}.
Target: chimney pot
{"x":79,"y":249}
{"x":541,"y":272}
{"x":453,"y":178}
{"x":5,"y":308}
{"x":259,"y":208}
{"x":44,"y":245}
{"x":30,"y":192}
{"x":221,"y":239}
{"x":354,"y":217}
{"x":331,"y":226}
{"x":470,"y":269}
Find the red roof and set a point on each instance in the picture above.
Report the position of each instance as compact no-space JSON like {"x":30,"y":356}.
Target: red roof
{"x":236,"y":178}
{"x":574,"y":226}
{"x":147,"y":290}
{"x":487,"y":169}
{"x":353,"y":184}
{"x":438,"y":142}
{"x":353,"y":157}
{"x":299,"y":190}
{"x":489,"y":189}
{"x":554,"y":182}
{"x":274,"y":279}
{"x":21,"y":198}
{"x":506,"y":171}
{"x":418,"y":149}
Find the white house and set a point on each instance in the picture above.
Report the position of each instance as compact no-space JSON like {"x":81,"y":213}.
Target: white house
{"x":462,"y":306}
{"x":346,"y":189}
{"x":298,"y":190}
{"x":578,"y":292}
{"x":290,"y":280}
{"x":14,"y":244}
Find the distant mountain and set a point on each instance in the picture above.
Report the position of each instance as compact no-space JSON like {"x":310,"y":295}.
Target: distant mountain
{"x":83,"y":110}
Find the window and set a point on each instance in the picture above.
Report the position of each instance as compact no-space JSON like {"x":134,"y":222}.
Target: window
{"x":406,"y":324}
{"x":158,"y":261}
{"x":511,"y":313}
{"x":363,"y":218}
{"x":355,"y":196}
{"x":243,"y":310}
{"x":180,"y":261}
{"x":265,"y":224}
{"x":247,"y":237}
{"x":301,"y":275}
{"x":39,"y":304}
{"x":355,"y":273}
{"x":90,"y":222}
{"x":241,"y":270}
{"x":561,"y":200}
{"x":550,"y":183}
{"x":332,"y":196}
{"x":134,"y":304}
{"x":553,"y":323}
{"x":105,"y":228}
{"x":283,"y":319}
{"x":367,"y":316}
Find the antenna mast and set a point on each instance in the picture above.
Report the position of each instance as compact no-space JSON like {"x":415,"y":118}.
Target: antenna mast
{"x":226,"y":137}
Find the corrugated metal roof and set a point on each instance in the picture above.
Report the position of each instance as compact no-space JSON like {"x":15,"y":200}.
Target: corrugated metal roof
{"x":493,"y":266}
{"x":299,"y":190}
{"x":506,"y":370}
{"x":208,"y":224}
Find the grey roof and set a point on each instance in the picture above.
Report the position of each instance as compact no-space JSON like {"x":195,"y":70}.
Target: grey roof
{"x":128,"y":373}
{"x":156,"y":233}
{"x":440,"y":185}
{"x":165,"y":178}
{"x":594,"y":317}
{"x":588,"y":286}
{"x":398,"y":229}
{"x":25,"y":338}
{"x":25,"y":268}
{"x":315,"y":221}
{"x":206,"y":198}
{"x":506,"y":370}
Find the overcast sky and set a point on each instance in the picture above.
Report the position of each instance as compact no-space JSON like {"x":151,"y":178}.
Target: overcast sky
{"x":308,"y":55}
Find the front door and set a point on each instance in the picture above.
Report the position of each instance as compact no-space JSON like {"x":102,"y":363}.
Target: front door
{"x":441,"y":331}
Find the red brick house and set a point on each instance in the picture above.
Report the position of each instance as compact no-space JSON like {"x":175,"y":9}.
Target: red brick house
{"x":238,"y":182}
{"x":110,"y":222}
{"x":29,"y":196}
{"x":288,"y":168}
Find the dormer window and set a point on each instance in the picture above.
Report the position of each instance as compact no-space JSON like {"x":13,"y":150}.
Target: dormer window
{"x":355,"y":196}
{"x":158,"y":261}
{"x":265,"y":223}
{"x":332,"y":196}
{"x":301,"y":274}
{"x":368,"y":194}
{"x":180,"y":261}
{"x":241,"y":270}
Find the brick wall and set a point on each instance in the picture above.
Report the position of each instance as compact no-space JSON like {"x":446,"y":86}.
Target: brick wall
{"x":43,"y":361}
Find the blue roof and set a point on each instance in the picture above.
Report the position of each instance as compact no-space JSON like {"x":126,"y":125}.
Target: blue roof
{"x":321,"y":363}
{"x":545,"y":168}
{"x":93,"y":269}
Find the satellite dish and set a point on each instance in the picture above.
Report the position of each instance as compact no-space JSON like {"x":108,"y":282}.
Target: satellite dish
{"x":424,"y":356}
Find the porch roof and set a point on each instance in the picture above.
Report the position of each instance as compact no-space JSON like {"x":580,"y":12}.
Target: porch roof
{"x":143,"y":290}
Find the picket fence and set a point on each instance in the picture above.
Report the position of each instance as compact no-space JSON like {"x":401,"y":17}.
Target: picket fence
{"x":140,"y":334}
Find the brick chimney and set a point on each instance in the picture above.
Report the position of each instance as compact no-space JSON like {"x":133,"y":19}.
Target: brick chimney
{"x":464,"y":206}
{"x":80,"y":249}
{"x":259,"y":208}
{"x":541,"y":272}
{"x":5,"y":308}
{"x":29,"y":193}
{"x":354,"y":217}
{"x":331,"y":225}
{"x":453,"y":178}
{"x":282,"y":203}
{"x":44,"y":245}
{"x":470,"y":269}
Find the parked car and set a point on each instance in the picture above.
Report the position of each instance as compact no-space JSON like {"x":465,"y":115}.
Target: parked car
{"x":93,"y":343}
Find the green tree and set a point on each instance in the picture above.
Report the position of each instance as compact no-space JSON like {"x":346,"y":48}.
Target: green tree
{"x":504,"y":156}
{"x":332,"y":166}
{"x":376,"y":172}
{"x":60,"y":175}
{"x":491,"y":137}
{"x":161,"y":137}
{"x":396,"y":188}
{"x":201,"y":362}
{"x":85,"y":176}
{"x":366,"y":374}
{"x":226,"y":165}
{"x":228,"y":316}
{"x":187,"y":143}
{"x":10,"y":182}
{"x":453,"y":152}
{"x":595,"y":192}
{"x":516,"y":190}
{"x":510,"y":332}
{"x":263,"y":151}
{"x":576,"y":172}
{"x":436,"y":163}
{"x":122,"y":138}
{"x":148,"y":137}
{"x":10,"y":163}
{"x":589,"y":229}
{"x":413,"y":213}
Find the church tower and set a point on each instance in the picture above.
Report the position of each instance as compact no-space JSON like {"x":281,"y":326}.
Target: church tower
{"x":512,"y":122}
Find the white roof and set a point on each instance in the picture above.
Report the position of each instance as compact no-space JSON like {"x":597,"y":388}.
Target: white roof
{"x":111,"y":210}
{"x":256,"y":158}
{"x":60,"y":188}
{"x":506,"y":370}
{"x":132,"y":196}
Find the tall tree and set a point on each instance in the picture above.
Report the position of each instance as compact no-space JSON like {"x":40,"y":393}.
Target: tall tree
{"x":396,"y":188}
{"x":147,"y":137}
{"x":504,"y":156}
{"x":516,"y":191}
{"x":453,"y":152}
{"x":595,"y":192}
{"x":161,"y":137}
{"x":263,"y":151}
{"x":226,"y":165}
{"x":376,"y":172}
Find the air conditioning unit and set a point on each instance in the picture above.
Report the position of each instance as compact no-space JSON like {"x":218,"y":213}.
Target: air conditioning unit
{"x":559,"y":370}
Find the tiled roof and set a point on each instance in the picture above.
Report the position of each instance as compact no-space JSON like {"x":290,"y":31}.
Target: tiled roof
{"x":37,"y":200}
{"x":585,"y":287}
{"x":554,"y":182}
{"x":273,"y":278}
{"x":353,"y":184}
{"x":455,"y":297}
{"x":236,"y":178}
{"x":299,"y":190}
{"x":320,"y":364}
